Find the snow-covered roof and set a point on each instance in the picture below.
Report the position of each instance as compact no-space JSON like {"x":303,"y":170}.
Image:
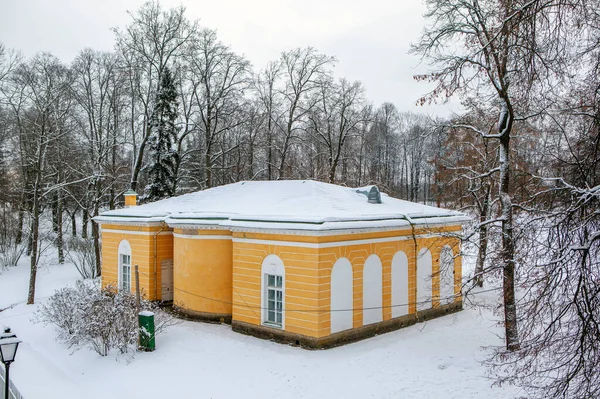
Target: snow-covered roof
{"x":288,"y":204}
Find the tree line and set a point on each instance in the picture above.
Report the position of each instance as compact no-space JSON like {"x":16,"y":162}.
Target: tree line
{"x":172,"y":110}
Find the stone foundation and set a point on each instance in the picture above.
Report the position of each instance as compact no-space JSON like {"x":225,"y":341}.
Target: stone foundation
{"x":347,"y":336}
{"x":201,"y":316}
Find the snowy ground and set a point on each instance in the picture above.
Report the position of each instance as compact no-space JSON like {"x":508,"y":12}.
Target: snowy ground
{"x":437,"y":359}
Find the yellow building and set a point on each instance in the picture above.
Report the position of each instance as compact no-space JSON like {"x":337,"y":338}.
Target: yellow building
{"x":305,"y":262}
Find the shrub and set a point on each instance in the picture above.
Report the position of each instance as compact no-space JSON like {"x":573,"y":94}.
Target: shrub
{"x":103,"y":320}
{"x":80,"y":252}
{"x":10,"y":255}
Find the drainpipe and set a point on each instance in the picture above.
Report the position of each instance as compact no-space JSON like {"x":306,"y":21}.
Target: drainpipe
{"x":156,"y":261}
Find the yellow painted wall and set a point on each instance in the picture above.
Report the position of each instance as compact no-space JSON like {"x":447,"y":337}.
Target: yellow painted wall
{"x":210,"y":274}
{"x":141,"y":239}
{"x":202,"y":274}
{"x":302,"y":282}
{"x":308,"y":274}
{"x":357,"y":255}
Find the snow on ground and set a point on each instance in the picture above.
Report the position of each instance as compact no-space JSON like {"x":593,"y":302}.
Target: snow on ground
{"x":436,"y":359}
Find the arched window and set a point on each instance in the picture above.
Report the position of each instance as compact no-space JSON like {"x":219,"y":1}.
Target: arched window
{"x":341,"y":296}
{"x":424,"y":294}
{"x":399,"y":284}
{"x":372,"y":291}
{"x":446,"y":276}
{"x":124,"y":266}
{"x":273,"y":292}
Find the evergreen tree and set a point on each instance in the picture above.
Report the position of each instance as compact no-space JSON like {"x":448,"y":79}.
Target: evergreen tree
{"x":163,"y":134}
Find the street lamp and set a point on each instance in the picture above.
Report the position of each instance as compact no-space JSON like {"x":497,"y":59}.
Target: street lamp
{"x":8,"y":350}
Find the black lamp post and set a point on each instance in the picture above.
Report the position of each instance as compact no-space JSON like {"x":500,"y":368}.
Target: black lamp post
{"x":8,"y":350}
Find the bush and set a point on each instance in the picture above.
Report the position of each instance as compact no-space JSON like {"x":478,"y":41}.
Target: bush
{"x":10,"y":255}
{"x":80,"y":252}
{"x":103,"y":320}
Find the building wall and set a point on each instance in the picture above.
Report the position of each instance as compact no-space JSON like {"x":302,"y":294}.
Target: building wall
{"x":202,"y":275}
{"x":301,"y":282}
{"x":219,"y":273}
{"x":357,"y":254}
{"x":308,"y":262}
{"x":143,"y":241}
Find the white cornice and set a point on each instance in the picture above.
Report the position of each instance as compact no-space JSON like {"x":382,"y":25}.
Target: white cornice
{"x":129,"y":223}
{"x":341,"y":231}
{"x":198,"y":227}
{"x":329,"y":244}
{"x":137,"y":233}
{"x":318,"y":233}
{"x":202,"y":236}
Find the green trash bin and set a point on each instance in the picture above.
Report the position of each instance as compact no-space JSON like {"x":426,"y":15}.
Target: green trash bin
{"x":147,"y":342}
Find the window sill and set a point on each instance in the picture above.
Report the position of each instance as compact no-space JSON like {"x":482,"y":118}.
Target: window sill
{"x":272,"y":325}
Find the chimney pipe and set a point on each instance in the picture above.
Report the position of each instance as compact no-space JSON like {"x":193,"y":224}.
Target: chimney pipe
{"x":130,"y":198}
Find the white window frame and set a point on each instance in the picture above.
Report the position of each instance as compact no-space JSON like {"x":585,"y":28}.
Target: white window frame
{"x":274,"y":300}
{"x":124,"y":250}
{"x":272,"y":266}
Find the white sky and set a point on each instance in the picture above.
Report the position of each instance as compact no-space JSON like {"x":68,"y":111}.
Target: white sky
{"x":370,"y":39}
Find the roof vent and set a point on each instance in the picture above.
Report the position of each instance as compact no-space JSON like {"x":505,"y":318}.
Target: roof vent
{"x":372,"y":194}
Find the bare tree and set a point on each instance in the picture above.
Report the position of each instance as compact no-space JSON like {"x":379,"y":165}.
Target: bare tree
{"x":41,"y":104}
{"x":497,"y":59}
{"x":219,"y":78}
{"x":302,"y":72}
{"x":99,"y":89}
{"x":339,"y":109}
{"x":265,"y":86}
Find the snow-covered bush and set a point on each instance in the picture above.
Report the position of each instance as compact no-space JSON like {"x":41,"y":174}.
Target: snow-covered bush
{"x":10,"y":248}
{"x":80,"y":252}
{"x":103,"y":320}
{"x":10,"y":255}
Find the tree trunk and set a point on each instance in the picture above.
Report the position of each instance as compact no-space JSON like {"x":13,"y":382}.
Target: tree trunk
{"x":74,"y":223}
{"x":281,"y":169}
{"x":508,"y":246}
{"x":332,"y":170}
{"x":34,"y":236}
{"x":207,"y":170}
{"x":19,"y":236}
{"x":29,"y":243}
{"x":59,"y":229}
{"x":137,"y":166}
{"x":483,"y":239}
{"x":84,"y":222}
{"x":55,"y":212}
{"x":96,"y":233}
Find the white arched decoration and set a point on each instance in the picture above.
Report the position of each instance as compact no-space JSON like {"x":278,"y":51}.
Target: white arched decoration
{"x":446,"y":275}
{"x":124,"y":268}
{"x":341,"y":296}
{"x":372,"y":291}
{"x":273,"y":292}
{"x":399,"y":284}
{"x":424,"y":291}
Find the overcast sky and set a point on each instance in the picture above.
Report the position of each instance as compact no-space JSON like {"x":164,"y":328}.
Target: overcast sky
{"x":370,"y":39}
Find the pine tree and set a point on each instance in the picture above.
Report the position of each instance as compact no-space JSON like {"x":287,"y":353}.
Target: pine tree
{"x":163,"y":134}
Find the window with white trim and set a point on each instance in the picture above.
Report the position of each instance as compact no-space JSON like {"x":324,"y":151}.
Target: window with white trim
{"x":126,"y":272}
{"x":274,"y":299}
{"x":124,"y":263}
{"x":273,"y":292}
